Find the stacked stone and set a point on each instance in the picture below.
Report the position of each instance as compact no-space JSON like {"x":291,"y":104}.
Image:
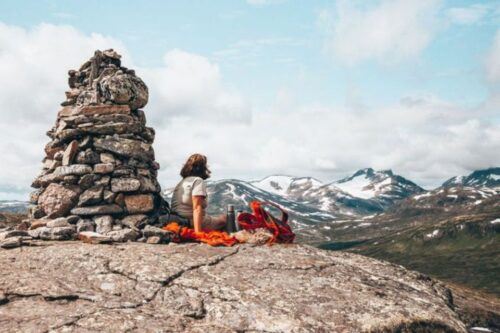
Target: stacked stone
{"x":99,"y":177}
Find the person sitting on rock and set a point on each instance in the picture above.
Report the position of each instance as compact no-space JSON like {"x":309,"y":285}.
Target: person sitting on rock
{"x":189,"y":199}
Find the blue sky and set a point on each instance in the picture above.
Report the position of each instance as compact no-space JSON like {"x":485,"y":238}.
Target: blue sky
{"x":424,"y":67}
{"x":284,"y":44}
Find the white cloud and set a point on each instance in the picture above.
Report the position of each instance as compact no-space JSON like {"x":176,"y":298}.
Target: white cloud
{"x":478,"y":13}
{"x":33,"y":76}
{"x":188,"y":85}
{"x":391,"y":31}
{"x":423,"y":138}
{"x":493,"y":60}
{"x":467,"y":15}
{"x":193,"y":110}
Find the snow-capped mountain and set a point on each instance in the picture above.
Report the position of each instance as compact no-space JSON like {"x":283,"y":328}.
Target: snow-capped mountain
{"x":470,"y":190}
{"x":480,"y":178}
{"x":241,"y":193}
{"x":13,"y":206}
{"x":287,"y":186}
{"x":365,"y":192}
{"x":309,"y":201}
{"x":384,"y":186}
{"x":318,"y":209}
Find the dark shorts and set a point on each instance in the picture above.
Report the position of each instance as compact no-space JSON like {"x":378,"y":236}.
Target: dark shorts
{"x":166,"y":219}
{"x":209,"y":222}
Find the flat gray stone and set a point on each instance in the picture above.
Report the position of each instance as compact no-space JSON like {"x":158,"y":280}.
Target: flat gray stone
{"x":85,"y":225}
{"x":125,"y":184}
{"x":97,"y":210}
{"x":59,"y":222}
{"x":103,"y":168}
{"x":150,"y":231}
{"x":123,"y":235}
{"x":75,"y":169}
{"x":11,"y":242}
{"x":13,"y":233}
{"x":125,"y":147}
{"x":93,"y":237}
{"x":103,"y":224}
{"x":134,"y":221}
{"x":57,"y":233}
{"x":91,"y":196}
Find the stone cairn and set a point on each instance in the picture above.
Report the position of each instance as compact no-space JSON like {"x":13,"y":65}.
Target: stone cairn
{"x":99,"y":178}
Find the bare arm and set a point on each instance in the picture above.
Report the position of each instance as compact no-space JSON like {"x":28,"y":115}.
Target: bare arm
{"x":198,"y":211}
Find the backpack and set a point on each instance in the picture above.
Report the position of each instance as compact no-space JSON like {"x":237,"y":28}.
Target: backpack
{"x":260,"y":218}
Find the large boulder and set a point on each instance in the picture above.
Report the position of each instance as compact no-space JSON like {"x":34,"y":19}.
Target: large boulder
{"x":57,"y":200}
{"x":122,"y":88}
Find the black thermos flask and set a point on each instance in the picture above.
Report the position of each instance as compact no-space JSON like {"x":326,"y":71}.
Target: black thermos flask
{"x":236,"y":224}
{"x":230,"y":219}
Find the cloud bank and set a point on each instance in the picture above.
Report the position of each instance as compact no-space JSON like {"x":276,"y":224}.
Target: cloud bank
{"x":391,"y":31}
{"x":194,"y":109}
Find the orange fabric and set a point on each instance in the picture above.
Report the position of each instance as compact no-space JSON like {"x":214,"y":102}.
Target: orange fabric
{"x":282,"y":233}
{"x":212,"y":237}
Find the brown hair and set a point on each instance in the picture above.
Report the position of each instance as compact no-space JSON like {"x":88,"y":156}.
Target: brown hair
{"x":196,"y":165}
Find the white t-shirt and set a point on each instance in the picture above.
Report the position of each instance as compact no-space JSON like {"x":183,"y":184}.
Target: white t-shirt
{"x":182,"y":198}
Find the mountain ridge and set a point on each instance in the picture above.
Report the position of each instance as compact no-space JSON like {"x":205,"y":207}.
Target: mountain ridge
{"x":340,"y":199}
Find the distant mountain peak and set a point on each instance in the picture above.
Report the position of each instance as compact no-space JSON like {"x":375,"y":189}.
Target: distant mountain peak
{"x":284,"y":184}
{"x":387,"y":172}
{"x":360,"y":172}
{"x":276,"y":176}
{"x":368,"y":173}
{"x":479,"y":178}
{"x":370,"y":184}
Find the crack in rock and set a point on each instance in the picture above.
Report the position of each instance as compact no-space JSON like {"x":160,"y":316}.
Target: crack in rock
{"x":213,"y":262}
{"x":167,"y":282}
{"x":9,"y":297}
{"x":71,"y":322}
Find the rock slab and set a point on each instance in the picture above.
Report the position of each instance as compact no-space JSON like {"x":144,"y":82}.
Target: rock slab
{"x":57,"y":200}
{"x":136,"y":287}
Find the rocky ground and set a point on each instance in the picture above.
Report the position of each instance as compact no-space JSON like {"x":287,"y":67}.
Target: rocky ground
{"x":73,"y":286}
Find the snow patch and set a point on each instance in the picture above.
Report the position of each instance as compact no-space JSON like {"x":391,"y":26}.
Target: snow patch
{"x":274,"y":184}
{"x":420,"y":196}
{"x":495,"y":177}
{"x":480,"y":329}
{"x":358,"y":187}
{"x":495,"y":221}
{"x":433,"y":234}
